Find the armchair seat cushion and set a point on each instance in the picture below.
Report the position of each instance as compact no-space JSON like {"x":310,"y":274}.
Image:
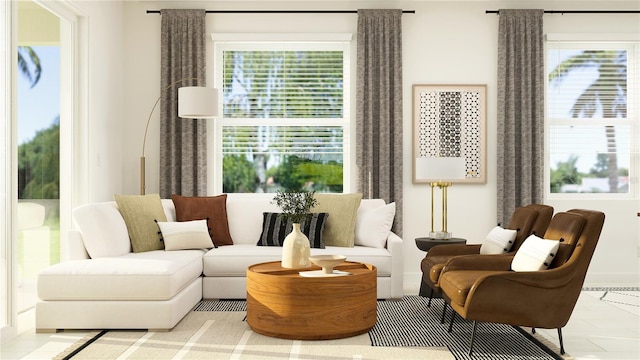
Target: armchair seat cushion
{"x":457,"y":284}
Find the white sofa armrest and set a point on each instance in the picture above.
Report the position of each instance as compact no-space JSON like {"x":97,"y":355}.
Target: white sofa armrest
{"x":77,"y":251}
{"x":394,"y":245}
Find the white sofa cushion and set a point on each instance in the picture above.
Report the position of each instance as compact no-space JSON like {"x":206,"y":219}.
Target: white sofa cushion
{"x":234,"y":260}
{"x":373,"y":225}
{"x":244,"y":215}
{"x":104,"y":232}
{"x":153,"y":275}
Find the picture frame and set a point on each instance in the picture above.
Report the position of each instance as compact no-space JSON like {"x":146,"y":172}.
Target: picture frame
{"x":450,"y":121}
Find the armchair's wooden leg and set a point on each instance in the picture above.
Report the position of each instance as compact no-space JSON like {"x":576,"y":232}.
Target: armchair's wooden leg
{"x":444,"y":312}
{"x":430,"y":297}
{"x":533,"y":330}
{"x":561,"y":342}
{"x":453,"y":317}
{"x":473,"y":336}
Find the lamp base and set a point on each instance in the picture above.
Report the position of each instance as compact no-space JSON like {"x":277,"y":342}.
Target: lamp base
{"x":439,"y":235}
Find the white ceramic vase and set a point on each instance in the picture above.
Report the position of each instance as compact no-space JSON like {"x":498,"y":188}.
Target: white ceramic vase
{"x":296,"y":250}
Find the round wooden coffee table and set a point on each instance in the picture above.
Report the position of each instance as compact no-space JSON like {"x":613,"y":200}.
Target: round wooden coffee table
{"x":281,"y":303}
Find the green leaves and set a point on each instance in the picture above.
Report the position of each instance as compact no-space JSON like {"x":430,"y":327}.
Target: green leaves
{"x":295,"y":204}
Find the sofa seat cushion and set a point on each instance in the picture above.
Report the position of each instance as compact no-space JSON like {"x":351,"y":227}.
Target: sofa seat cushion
{"x":153,"y":275}
{"x":235,"y":259}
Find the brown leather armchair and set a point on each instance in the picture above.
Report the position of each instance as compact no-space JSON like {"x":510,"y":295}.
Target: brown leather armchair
{"x":527,"y":220}
{"x":491,"y":292}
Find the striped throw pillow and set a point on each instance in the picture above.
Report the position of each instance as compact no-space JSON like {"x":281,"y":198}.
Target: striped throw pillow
{"x":275,"y":228}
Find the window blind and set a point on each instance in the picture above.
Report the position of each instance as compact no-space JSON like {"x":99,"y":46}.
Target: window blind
{"x":283,"y":84}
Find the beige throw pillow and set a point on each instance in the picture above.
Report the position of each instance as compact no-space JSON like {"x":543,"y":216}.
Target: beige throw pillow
{"x":139,"y":213}
{"x":340,"y":228}
{"x":185,"y":235}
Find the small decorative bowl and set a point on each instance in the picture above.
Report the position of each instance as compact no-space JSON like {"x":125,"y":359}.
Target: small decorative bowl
{"x":327,"y":262}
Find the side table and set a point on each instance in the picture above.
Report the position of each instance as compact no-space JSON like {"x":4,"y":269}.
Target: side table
{"x":425,"y":244}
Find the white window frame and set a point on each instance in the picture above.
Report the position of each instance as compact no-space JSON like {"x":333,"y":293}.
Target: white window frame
{"x":601,"y":41}
{"x":223,"y":42}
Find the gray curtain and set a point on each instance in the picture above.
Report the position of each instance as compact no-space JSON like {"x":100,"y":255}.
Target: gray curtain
{"x":520,"y":139}
{"x":183,"y":142}
{"x":379,"y":107}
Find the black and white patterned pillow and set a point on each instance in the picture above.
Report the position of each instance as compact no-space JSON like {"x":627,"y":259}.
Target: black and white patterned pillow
{"x":275,"y":228}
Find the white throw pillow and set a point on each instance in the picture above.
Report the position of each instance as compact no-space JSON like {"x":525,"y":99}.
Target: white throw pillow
{"x":498,"y":241}
{"x":183,"y":235}
{"x":374,"y":225}
{"x":104,"y":232}
{"x":535,"y":254}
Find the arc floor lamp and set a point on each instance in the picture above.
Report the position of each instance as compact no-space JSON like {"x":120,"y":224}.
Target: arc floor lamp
{"x":443,"y":170}
{"x":194,"y":102}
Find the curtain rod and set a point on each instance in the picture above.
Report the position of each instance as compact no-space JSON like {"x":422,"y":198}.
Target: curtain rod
{"x":281,"y":11}
{"x":578,"y":12}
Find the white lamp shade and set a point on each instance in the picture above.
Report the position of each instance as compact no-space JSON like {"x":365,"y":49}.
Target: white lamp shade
{"x":197,"y":102}
{"x":440,"y":168}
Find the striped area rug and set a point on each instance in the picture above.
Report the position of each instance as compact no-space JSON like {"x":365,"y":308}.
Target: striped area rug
{"x":410,"y":323}
{"x":405,"y":329}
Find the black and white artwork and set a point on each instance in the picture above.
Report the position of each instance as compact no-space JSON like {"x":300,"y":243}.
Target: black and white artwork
{"x":449,"y":121}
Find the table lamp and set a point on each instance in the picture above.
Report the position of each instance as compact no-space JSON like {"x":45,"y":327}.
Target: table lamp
{"x":440,"y":171}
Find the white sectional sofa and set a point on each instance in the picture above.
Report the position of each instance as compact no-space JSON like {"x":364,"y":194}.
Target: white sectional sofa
{"x":156,"y":289}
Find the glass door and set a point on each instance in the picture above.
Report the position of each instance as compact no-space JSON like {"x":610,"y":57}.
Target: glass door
{"x":38,"y":147}
{"x":6,"y":197}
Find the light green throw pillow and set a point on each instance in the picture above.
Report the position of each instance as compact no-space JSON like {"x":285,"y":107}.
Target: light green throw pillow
{"x":139,"y":213}
{"x":340,"y":227}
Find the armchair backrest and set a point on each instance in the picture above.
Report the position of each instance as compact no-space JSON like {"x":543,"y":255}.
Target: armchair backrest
{"x":522,"y":220}
{"x":545,"y":213}
{"x":530,"y":219}
{"x":565,"y":227}
{"x":584,"y":247}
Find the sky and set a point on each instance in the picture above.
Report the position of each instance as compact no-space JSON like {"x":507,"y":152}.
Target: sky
{"x":39,"y":106}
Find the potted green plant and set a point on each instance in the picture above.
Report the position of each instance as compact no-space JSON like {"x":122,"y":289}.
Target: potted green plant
{"x":295,"y":205}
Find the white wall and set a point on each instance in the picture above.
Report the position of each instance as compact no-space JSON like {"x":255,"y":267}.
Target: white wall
{"x":451,"y":42}
{"x":104,"y":121}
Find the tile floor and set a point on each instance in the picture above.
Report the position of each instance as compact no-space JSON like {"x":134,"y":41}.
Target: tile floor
{"x":607,"y":328}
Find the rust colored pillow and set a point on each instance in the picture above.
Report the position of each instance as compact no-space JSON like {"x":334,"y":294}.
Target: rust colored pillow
{"x":212,"y":208}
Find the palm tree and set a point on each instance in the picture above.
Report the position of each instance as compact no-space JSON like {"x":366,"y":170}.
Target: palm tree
{"x":612,"y":74}
{"x":25,"y":52}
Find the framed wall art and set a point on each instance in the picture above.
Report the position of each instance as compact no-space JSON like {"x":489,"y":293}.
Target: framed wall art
{"x":449,"y":121}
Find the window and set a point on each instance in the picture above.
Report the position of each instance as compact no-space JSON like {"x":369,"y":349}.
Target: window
{"x":592,"y":116}
{"x":284,"y":118}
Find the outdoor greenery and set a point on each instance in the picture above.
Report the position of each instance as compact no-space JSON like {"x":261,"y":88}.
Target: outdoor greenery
{"x":29,"y":64}
{"x":612,"y":74}
{"x":39,"y":165}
